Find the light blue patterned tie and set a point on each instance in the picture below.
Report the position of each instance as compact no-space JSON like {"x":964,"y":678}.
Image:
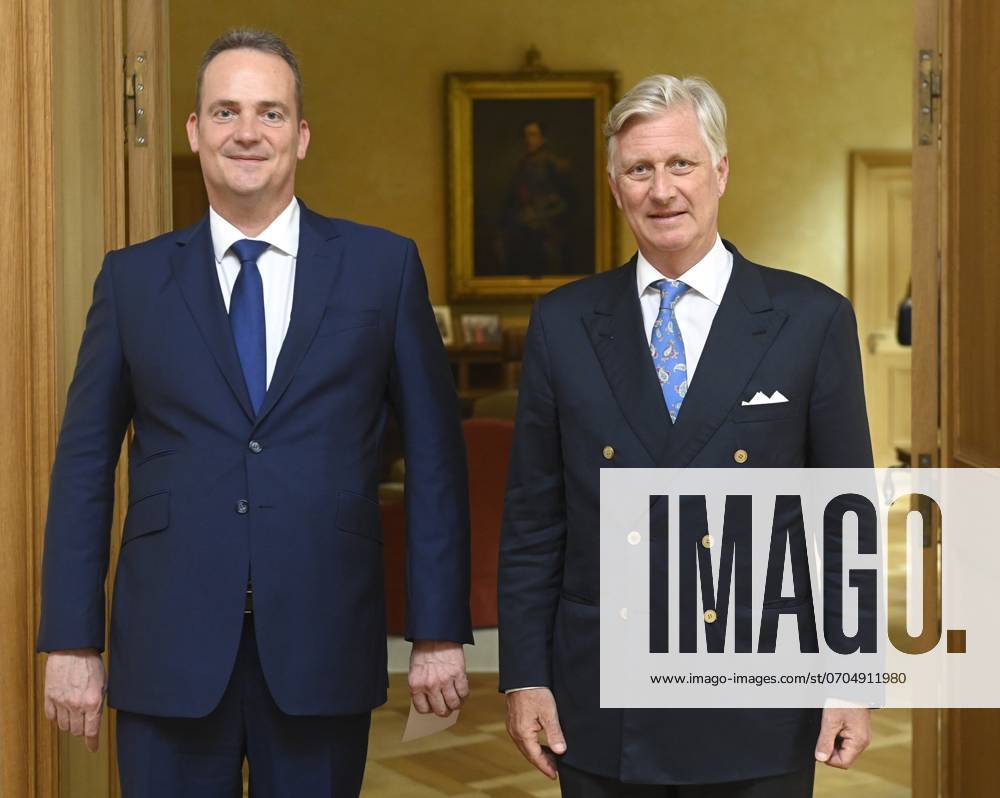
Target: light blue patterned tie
{"x":667,"y":347}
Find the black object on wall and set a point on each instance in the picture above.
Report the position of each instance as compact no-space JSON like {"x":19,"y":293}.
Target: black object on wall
{"x":904,"y":319}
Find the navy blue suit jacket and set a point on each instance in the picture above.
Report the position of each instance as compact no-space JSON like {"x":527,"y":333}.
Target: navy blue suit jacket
{"x":588,"y":382}
{"x":289,"y":497}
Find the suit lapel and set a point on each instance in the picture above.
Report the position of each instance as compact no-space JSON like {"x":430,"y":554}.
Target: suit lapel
{"x":193,"y":265}
{"x":316,"y":267}
{"x":618,"y":336}
{"x":744,"y":328}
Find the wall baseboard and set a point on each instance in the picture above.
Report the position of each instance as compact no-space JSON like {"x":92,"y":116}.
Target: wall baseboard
{"x":483,"y":657}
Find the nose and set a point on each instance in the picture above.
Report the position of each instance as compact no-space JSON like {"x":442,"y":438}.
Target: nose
{"x":663,"y":189}
{"x":247,"y":131}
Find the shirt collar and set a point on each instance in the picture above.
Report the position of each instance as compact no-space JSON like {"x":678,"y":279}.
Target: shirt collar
{"x":282,"y":233}
{"x":708,"y":277}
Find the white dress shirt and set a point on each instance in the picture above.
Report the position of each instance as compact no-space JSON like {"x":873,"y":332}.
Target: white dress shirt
{"x":277,"y":271}
{"x":695,"y":310}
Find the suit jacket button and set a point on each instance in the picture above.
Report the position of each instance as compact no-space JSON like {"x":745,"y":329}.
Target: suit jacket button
{"x":710,"y":616}
{"x":242,"y":506}
{"x":707,"y":541}
{"x":740,"y":456}
{"x":609,"y":452}
{"x":255,"y":447}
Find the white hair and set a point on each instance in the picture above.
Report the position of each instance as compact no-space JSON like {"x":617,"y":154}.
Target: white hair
{"x":659,"y":93}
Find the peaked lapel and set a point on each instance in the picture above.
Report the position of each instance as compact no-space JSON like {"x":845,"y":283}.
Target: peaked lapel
{"x":193,"y":266}
{"x":316,"y":266}
{"x":744,"y":328}
{"x":618,"y":336}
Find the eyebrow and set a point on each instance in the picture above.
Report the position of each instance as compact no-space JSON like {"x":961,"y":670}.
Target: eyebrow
{"x":262,"y":105}
{"x":265,"y":104}
{"x":675,"y":156}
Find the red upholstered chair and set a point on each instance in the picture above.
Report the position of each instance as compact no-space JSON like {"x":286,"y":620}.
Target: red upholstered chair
{"x":394,"y":554}
{"x":487,"y":442}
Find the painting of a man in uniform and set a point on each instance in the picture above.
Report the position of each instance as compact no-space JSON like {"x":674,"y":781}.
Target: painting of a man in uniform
{"x":533,"y":198}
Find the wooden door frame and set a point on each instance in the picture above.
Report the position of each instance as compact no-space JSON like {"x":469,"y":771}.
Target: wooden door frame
{"x":937,"y":733}
{"x":28,"y":752}
{"x":929,"y":16}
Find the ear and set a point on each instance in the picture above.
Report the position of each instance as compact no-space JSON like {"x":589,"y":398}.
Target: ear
{"x":303,"y":140}
{"x":722,"y":174}
{"x":192,"y":131}
{"x":614,"y":190}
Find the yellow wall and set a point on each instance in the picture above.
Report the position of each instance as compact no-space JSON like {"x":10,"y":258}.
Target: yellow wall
{"x":805,"y":82}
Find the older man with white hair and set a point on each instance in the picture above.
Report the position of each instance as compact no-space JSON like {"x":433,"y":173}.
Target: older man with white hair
{"x":652,"y":365}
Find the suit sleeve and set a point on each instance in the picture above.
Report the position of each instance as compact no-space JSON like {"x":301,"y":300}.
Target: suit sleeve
{"x":422,"y":392}
{"x":81,"y":498}
{"x":839,"y":437}
{"x":838,"y":420}
{"x":532,"y":540}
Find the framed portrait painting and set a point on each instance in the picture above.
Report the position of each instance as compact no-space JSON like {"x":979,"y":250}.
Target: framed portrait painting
{"x":530,"y":207}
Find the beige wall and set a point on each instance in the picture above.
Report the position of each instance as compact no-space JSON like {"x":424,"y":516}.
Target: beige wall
{"x":806,"y":82}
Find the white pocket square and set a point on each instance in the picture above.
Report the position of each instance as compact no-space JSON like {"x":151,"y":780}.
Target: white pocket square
{"x":759,"y":398}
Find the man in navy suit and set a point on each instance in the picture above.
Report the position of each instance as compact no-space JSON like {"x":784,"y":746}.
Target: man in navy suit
{"x":256,"y":355}
{"x":652,"y":365}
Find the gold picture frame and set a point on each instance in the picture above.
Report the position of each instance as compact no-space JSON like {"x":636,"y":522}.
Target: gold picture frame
{"x":529,"y":204}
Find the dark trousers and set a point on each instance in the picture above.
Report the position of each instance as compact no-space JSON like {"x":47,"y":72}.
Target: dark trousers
{"x":293,"y":756}
{"x":579,"y":784}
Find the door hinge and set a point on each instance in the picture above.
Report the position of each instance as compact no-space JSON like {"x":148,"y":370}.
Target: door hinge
{"x":135,"y":99}
{"x":929,"y":97}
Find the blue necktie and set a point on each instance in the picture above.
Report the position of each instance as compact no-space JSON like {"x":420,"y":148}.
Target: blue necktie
{"x":667,"y":347}
{"x":246,"y":317}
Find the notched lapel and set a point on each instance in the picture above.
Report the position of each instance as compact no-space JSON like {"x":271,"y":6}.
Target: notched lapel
{"x":618,"y":336}
{"x":744,"y":328}
{"x":193,"y":266}
{"x":316,"y":267}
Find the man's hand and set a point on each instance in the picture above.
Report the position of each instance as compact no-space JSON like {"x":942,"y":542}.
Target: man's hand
{"x":437,"y":677}
{"x":852,"y":726}
{"x":74,"y":692}
{"x":529,"y":712}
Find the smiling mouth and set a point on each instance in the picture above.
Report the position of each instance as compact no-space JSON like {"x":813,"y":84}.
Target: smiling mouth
{"x":667,"y":216}
{"x":246,"y":157}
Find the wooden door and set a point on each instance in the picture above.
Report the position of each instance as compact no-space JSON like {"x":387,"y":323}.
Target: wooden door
{"x":956,"y":293}
{"x":879,"y":280}
{"x":970,"y":320}
{"x":142,"y":205}
{"x":147,"y":55}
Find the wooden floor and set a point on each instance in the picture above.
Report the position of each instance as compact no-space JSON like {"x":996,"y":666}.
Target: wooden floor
{"x":475,"y":758}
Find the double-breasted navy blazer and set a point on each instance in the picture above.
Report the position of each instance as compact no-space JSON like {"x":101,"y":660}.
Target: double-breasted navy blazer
{"x":589,"y":383}
{"x":288,"y":497}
